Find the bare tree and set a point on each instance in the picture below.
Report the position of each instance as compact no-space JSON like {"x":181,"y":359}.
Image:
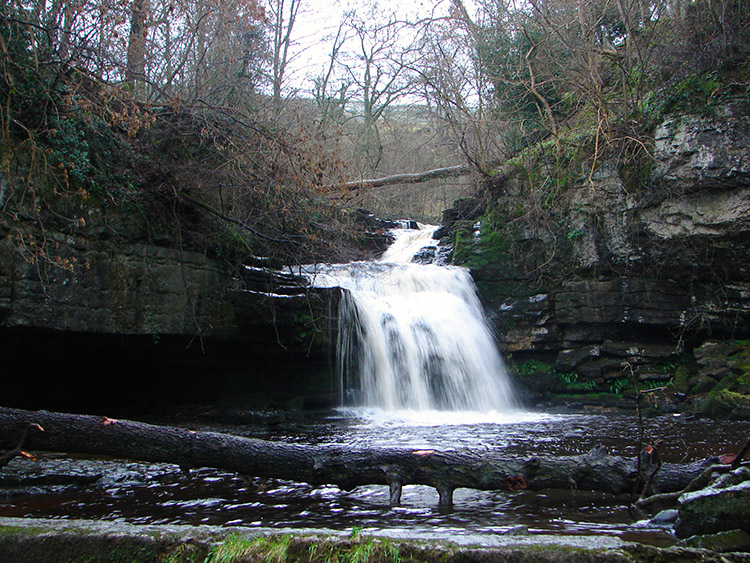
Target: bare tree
{"x":456,"y":85}
{"x":379,"y":66}
{"x":283,"y":16}
{"x":330,"y":99}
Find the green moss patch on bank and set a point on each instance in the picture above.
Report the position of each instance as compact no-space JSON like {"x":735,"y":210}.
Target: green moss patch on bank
{"x":43,"y":540}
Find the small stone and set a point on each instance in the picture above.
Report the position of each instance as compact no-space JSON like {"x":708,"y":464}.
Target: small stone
{"x":519,"y":530}
{"x":665,"y":517}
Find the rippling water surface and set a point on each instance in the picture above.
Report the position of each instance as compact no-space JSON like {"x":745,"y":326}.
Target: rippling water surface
{"x":160,"y":493}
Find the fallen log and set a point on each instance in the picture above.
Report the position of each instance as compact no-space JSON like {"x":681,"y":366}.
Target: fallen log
{"x":405,"y":178}
{"x":344,"y":466}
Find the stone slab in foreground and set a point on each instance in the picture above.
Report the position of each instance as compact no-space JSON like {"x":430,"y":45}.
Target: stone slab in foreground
{"x":52,"y":541}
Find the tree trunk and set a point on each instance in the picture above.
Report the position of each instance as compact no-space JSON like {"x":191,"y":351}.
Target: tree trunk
{"x":135,"y":71}
{"x":345,"y":466}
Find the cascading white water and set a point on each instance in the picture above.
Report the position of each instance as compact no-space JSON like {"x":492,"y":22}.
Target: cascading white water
{"x":412,"y":336}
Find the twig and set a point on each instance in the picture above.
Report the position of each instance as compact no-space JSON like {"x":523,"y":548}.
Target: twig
{"x":18,"y":450}
{"x":740,"y":455}
{"x":221,"y":215}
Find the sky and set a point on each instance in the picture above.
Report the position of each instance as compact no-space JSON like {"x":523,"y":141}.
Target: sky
{"x":318,"y":22}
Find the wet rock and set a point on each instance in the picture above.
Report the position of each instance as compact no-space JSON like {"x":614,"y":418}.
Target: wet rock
{"x":681,"y":380}
{"x":701,"y":384}
{"x":723,"y":542}
{"x":443,"y":254}
{"x":265,"y":417}
{"x":740,"y":413}
{"x":727,"y":362}
{"x":654,"y":375}
{"x":712,"y":358}
{"x":55,"y":474}
{"x":639,"y":349}
{"x":722,"y":402}
{"x":425,"y":255}
{"x":718,"y":508}
{"x":703,"y":151}
{"x":519,"y":530}
{"x":568,"y":360}
{"x":665,"y":518}
{"x":47,"y":541}
{"x":369,"y":220}
{"x":598,"y":368}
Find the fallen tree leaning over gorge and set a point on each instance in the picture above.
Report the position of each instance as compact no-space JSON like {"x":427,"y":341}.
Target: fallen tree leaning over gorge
{"x":342,"y":465}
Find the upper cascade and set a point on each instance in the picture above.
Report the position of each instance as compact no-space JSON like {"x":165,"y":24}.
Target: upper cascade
{"x":408,"y":243}
{"x":414,"y":336}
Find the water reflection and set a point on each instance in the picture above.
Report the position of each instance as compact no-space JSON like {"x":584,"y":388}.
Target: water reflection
{"x":524,"y":432}
{"x":160,"y":493}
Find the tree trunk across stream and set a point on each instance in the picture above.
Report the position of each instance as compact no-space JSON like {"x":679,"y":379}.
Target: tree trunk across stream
{"x":341,"y":465}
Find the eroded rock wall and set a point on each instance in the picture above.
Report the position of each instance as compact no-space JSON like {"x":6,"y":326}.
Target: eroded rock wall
{"x":83,"y":313}
{"x":614,"y":274}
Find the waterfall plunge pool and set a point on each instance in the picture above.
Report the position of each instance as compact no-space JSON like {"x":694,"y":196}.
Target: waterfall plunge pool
{"x":160,"y":494}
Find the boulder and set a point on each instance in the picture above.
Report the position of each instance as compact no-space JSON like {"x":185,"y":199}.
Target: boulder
{"x":723,"y":542}
{"x":721,"y":507}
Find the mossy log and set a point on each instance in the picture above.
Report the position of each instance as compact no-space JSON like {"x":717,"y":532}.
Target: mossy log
{"x":341,"y":465}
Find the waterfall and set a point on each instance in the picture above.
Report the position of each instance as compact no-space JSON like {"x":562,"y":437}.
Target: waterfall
{"x":414,"y":336}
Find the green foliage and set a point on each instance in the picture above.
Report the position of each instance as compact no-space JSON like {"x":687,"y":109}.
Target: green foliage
{"x":70,"y":150}
{"x":534,"y":366}
{"x":561,"y":382}
{"x":681,"y":380}
{"x":721,"y":402}
{"x":53,"y":124}
{"x":577,"y":233}
{"x":619,"y":385}
{"x":184,"y":553}
{"x":568,"y":378}
{"x":652,"y":384}
{"x":356,"y":532}
{"x":588,"y":385}
{"x":498,"y":52}
{"x":70,"y":142}
{"x":739,"y":360}
{"x":571,"y":382}
{"x":668,"y":367}
{"x":358,"y":550}
{"x":236,"y":548}
{"x":692,"y":94}
{"x":281,"y":548}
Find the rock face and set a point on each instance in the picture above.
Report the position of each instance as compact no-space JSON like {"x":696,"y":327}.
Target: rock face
{"x":162,"y":324}
{"x":132,"y":289}
{"x":619,"y":276}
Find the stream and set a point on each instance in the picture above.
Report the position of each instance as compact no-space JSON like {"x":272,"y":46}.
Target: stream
{"x":161,"y":494}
